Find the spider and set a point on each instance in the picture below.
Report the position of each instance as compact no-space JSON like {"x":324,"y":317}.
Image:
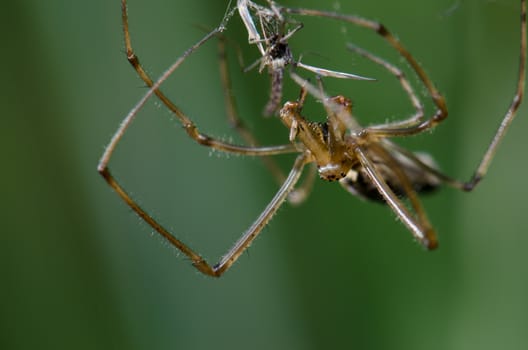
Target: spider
{"x":363,"y":160}
{"x":274,"y":49}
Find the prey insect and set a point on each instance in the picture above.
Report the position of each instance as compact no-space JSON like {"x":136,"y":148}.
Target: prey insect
{"x":272,"y":43}
{"x":364,"y":160}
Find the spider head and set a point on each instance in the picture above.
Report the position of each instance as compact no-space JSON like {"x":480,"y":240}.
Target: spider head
{"x":324,"y":141}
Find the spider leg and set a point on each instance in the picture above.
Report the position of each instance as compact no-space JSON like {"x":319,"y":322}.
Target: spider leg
{"x":299,"y":194}
{"x":253,"y":231}
{"x":242,"y":244}
{"x":482,"y":168}
{"x":404,"y":82}
{"x":193,"y":132}
{"x":407,"y":185}
{"x":418,"y":224}
{"x":195,"y":258}
{"x":187,"y":124}
{"x":439,"y":101}
{"x":426,"y":168}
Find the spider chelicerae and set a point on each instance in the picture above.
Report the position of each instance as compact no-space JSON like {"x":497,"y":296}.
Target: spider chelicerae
{"x":364,"y":160}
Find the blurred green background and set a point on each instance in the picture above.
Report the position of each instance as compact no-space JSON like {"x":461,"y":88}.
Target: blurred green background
{"x":80,"y":271}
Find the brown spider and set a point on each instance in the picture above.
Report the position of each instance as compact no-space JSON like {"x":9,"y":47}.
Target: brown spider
{"x":363,"y":159}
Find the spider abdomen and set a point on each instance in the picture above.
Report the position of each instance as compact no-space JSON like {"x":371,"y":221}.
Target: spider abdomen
{"x":412,"y":172}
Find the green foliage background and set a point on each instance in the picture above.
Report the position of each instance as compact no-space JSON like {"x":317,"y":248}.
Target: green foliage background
{"x":80,"y":271}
